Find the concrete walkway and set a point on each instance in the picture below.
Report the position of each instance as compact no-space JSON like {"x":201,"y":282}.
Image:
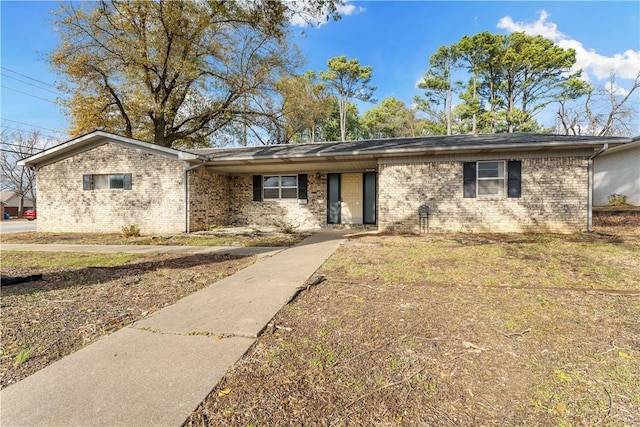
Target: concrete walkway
{"x":156,"y":372}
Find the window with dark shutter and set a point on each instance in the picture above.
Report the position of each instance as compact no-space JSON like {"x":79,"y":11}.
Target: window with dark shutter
{"x":257,"y":188}
{"x":469,"y":179}
{"x":302,"y":186}
{"x":86,"y":182}
{"x":514,"y":170}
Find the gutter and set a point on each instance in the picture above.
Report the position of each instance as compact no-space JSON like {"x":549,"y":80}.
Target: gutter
{"x":590,"y":191}
{"x":186,"y":192}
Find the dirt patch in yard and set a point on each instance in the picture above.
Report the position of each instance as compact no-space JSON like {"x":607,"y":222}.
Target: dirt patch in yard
{"x":627,"y":226}
{"x":83,"y":297}
{"x":238,"y":236}
{"x":449,"y":331}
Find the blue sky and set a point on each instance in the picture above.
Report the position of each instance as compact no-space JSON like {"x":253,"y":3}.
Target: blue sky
{"x":395,"y":37}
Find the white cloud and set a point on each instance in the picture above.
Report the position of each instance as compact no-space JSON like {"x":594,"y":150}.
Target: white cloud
{"x":625,"y":65}
{"x":302,"y":19}
{"x":349,"y":9}
{"x":540,"y":27}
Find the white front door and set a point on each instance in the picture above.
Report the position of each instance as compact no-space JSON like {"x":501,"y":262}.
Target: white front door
{"x":351,"y":211}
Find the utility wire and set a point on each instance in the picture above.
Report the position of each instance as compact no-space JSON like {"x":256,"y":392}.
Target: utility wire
{"x":35,"y":126}
{"x":23,"y":147}
{"x":28,"y":77}
{"x":36,"y":86}
{"x":28,"y":94}
{"x":22,"y":130}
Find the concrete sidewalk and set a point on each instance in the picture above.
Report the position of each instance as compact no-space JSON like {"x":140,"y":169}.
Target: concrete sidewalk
{"x":155,"y":372}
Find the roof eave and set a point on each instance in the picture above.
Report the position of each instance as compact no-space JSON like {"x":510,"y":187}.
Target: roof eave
{"x":81,"y":143}
{"x":414,"y":150}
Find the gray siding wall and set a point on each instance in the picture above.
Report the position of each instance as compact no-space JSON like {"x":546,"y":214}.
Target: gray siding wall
{"x":619,"y":173}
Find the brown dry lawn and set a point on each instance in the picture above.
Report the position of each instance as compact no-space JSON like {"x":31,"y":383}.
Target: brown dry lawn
{"x":405,"y":330}
{"x":83,"y":297}
{"x":449,"y":331}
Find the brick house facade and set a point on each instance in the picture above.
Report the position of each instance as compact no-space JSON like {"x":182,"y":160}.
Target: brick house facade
{"x":500,"y":183}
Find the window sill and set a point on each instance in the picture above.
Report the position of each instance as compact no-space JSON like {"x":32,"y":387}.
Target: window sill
{"x":491,"y":198}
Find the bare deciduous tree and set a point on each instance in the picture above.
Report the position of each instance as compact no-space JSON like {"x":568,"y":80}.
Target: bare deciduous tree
{"x":606,"y":111}
{"x":21,"y":180}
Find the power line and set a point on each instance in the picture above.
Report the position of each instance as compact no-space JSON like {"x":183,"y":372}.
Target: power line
{"x":22,"y":130}
{"x":28,"y":77}
{"x":35,"y":126}
{"x":26,"y":153}
{"x":36,"y":86}
{"x":28,"y":94}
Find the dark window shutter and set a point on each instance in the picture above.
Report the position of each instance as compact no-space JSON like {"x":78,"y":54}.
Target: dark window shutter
{"x":127,"y":181}
{"x":302,"y":186}
{"x":333,"y":196}
{"x":369,"y":197}
{"x":469,"y":179}
{"x":257,"y":188}
{"x":86,"y":182}
{"x":514,"y":170}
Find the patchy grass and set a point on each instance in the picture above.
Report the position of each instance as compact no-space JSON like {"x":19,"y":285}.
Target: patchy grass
{"x":251,"y":238}
{"x":535,"y":261}
{"x":16,"y":259}
{"x":449,"y":331}
{"x":82,"y":297}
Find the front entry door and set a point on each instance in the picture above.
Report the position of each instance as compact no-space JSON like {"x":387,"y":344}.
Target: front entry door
{"x":351,"y":198}
{"x":351,"y":211}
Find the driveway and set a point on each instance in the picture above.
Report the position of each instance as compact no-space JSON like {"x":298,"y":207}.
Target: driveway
{"x":17,"y":225}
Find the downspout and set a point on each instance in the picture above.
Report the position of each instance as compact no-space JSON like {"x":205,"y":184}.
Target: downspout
{"x":590,"y":194}
{"x":186,"y":193}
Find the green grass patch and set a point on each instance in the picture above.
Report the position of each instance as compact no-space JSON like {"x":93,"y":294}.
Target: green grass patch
{"x":24,"y":355}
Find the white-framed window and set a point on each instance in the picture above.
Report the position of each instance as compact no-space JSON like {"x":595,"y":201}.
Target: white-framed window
{"x":490,"y":178}
{"x":117,"y":181}
{"x":280,"y":187}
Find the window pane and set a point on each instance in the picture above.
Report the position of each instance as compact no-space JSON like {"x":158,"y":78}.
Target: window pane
{"x":488,"y":170}
{"x":289,"y":181}
{"x":100,"y":182}
{"x":490,"y":187}
{"x":116,"y":181}
{"x":289,"y":193}
{"x":271,"y":193}
{"x":271,"y":182}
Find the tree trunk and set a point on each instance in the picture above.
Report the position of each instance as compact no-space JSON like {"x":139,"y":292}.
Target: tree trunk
{"x":343,"y":119}
{"x":158,"y":132}
{"x":20,"y":205}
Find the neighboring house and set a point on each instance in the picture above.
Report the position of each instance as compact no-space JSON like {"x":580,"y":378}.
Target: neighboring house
{"x":474,"y":183}
{"x":617,"y":171}
{"x":11,"y":201}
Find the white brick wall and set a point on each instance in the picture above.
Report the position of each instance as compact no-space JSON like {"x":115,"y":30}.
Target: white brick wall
{"x":155,"y":203}
{"x":554,"y":198}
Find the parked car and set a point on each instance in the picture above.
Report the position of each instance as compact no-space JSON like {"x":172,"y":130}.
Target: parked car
{"x":30,"y":214}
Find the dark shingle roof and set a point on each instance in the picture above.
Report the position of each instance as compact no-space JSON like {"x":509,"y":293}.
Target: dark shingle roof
{"x":399,"y":146}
